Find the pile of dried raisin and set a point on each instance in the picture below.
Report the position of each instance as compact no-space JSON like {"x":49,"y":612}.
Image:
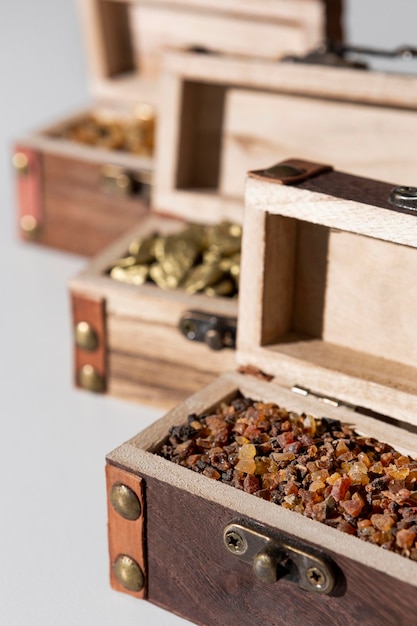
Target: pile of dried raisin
{"x":317,"y":467}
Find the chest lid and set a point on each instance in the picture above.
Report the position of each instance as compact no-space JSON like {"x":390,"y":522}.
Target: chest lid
{"x":327,"y":295}
{"x":124,"y":38}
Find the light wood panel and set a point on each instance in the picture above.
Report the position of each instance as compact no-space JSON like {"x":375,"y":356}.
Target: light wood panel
{"x":261,"y":128}
{"x":272,"y":111}
{"x":124,"y":38}
{"x":347,"y":298}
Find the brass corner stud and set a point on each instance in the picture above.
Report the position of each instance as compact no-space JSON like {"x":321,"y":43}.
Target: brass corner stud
{"x":86,"y":337}
{"x":125,"y":502}
{"x":20,"y":163}
{"x":128,"y":573}
{"x":29,"y":225}
{"x":89,"y":378}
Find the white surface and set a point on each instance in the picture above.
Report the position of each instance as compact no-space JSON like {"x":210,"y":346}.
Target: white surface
{"x":53,"y":542}
{"x":53,"y":535}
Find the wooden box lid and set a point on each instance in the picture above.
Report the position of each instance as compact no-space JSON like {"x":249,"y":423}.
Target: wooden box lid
{"x":326,"y":296}
{"x":124,"y":38}
{"x":228,"y":114}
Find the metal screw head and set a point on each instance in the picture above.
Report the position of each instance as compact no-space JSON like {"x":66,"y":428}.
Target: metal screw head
{"x":128,"y":573}
{"x":189,"y":329}
{"x":316,"y":577}
{"x":125,"y":502}
{"x":235,"y":542}
{"x":29,"y":225}
{"x":20,"y":163}
{"x":86,"y":337}
{"x":214,"y":339}
{"x":89,"y":378}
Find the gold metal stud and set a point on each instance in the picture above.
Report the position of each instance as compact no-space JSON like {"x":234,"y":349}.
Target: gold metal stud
{"x":89,"y":378}
{"x":29,"y":225}
{"x":20,"y":163}
{"x":125,"y":502}
{"x":86,"y":337}
{"x":128,"y":573}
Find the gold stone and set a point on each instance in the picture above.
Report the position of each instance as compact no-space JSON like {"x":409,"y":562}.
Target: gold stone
{"x":164,"y":280}
{"x":198,"y":258}
{"x":131,"y":275}
{"x":126,"y":261}
{"x":225,"y":287}
{"x":202,"y":276}
{"x":143,"y":250}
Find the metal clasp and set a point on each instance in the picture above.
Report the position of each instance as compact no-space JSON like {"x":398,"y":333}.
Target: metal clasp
{"x":115,"y":180}
{"x":217,"y":332}
{"x":274,"y":557}
{"x":404,"y":199}
{"x":335,"y":54}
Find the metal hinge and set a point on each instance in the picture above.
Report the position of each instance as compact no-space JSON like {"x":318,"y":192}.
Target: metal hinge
{"x":330,"y":401}
{"x":274,"y":557}
{"x":336,"y":54}
{"x":404,"y":199}
{"x":217,"y":332}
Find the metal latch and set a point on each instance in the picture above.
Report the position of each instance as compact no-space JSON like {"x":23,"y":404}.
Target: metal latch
{"x":116,"y":180}
{"x":217,"y":332}
{"x":274,"y":557}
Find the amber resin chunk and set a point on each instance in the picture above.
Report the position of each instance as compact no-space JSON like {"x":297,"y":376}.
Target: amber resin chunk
{"x":317,"y":467}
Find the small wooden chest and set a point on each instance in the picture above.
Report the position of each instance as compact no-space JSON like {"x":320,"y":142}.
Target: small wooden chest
{"x":142,"y":350}
{"x":80,"y":197}
{"x":239,"y":114}
{"x":326,"y":302}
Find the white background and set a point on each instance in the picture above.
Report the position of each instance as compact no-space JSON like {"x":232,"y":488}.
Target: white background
{"x":53,"y":439}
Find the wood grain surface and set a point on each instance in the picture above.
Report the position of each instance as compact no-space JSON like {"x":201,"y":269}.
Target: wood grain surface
{"x":124,"y":39}
{"x":78,"y":216}
{"x":271,"y":111}
{"x":261,"y":128}
{"x":149,"y":359}
{"x":191,"y":574}
{"x":332,"y":311}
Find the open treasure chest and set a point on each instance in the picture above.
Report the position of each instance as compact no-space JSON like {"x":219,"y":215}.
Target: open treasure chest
{"x":251,"y":503}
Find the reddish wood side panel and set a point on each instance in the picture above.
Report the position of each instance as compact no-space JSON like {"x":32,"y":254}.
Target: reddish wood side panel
{"x":93,"y":312}
{"x":29,"y":189}
{"x":79,"y":216}
{"x":191,"y":574}
{"x":126,"y":536}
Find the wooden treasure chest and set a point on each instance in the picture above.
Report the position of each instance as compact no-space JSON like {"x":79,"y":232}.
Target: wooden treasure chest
{"x":249,"y":503}
{"x":325,"y":104}
{"x":85,"y":180}
{"x":154,"y":315}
